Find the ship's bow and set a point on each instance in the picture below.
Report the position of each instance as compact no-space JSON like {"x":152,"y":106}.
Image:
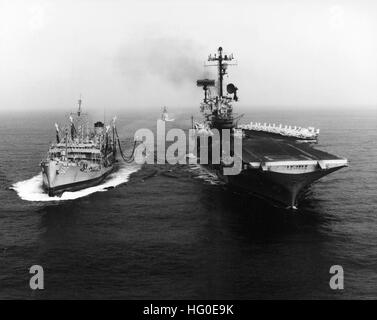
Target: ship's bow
{"x":49,"y":172}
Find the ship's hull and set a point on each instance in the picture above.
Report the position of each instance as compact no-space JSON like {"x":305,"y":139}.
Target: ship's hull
{"x":58,"y":178}
{"x":283,"y":189}
{"x":278,"y":170}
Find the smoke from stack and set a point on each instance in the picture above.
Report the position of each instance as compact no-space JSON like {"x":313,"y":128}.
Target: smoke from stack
{"x":170,"y":59}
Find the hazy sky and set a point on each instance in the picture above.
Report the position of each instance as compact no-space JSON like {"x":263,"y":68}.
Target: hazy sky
{"x":135,"y":54}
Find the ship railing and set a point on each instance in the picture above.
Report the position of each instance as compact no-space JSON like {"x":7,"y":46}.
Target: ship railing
{"x":290,"y":131}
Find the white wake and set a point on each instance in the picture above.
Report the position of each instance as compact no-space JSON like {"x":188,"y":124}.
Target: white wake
{"x":31,"y":189}
{"x":207,"y":176}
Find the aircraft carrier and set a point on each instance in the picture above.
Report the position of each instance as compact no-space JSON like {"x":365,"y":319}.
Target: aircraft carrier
{"x":81,"y":157}
{"x":278,"y":163}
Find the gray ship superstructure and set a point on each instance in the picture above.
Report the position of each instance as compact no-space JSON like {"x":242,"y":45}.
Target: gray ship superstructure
{"x":81,"y":157}
{"x":278,"y":163}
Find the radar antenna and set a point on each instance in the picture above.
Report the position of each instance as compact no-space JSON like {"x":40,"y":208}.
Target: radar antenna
{"x":222,"y":64}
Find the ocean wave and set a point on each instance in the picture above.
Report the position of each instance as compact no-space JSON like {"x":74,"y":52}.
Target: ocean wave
{"x":205,"y":175}
{"x":31,"y":189}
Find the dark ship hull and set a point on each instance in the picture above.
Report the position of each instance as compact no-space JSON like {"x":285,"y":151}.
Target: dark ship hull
{"x":284,"y":190}
{"x":75,"y":181}
{"x":277,"y":169}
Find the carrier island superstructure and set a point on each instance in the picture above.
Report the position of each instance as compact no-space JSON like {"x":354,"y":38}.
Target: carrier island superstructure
{"x":81,"y":157}
{"x":278,"y":163}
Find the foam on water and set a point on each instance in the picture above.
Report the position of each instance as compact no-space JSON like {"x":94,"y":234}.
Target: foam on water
{"x":31,"y":189}
{"x":202,"y":173}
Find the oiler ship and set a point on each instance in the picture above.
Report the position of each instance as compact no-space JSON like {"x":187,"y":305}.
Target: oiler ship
{"x":81,"y":157}
{"x":278,"y":163}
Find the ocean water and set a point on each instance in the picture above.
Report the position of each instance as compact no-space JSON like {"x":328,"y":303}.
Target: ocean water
{"x":175,"y":232}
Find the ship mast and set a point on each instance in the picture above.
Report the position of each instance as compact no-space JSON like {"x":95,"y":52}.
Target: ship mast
{"x":218,"y":110}
{"x":79,"y":111}
{"x":222,"y":65}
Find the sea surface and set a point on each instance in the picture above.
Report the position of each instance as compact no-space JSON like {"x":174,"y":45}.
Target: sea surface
{"x":175,"y":232}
